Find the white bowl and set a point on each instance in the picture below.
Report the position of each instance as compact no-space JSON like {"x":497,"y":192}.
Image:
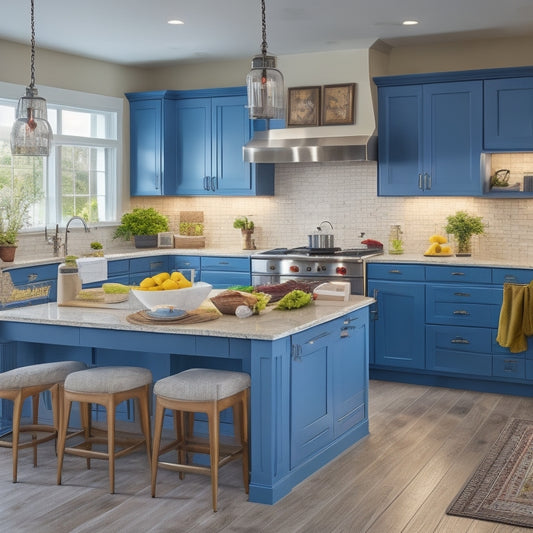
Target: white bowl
{"x":187,"y":299}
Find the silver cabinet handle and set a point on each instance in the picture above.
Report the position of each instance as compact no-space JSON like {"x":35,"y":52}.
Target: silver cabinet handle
{"x":349,"y":320}
{"x":460,"y":340}
{"x":296,"y":352}
{"x":32,"y":277}
{"x":214,"y":183}
{"x":461,"y":312}
{"x":464,"y":294}
{"x":458,"y":273}
{"x":421,"y":182}
{"x":206,"y":183}
{"x":318,"y":337}
{"x":395,"y":271}
{"x":427,"y":181}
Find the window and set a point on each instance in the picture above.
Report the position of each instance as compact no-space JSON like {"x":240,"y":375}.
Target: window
{"x":81,"y":175}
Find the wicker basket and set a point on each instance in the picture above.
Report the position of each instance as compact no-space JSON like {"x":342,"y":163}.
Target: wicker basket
{"x":228,"y":301}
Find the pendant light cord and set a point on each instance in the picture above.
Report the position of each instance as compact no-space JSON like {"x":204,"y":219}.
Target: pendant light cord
{"x":32,"y":77}
{"x":263,"y":27}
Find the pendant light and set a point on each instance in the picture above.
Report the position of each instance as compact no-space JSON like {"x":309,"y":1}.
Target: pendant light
{"x":31,"y":133}
{"x":266,"y":93}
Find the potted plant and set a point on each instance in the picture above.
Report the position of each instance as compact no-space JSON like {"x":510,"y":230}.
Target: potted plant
{"x":143,"y":224}
{"x":462,"y":226}
{"x":15,"y":203}
{"x":247,"y":229}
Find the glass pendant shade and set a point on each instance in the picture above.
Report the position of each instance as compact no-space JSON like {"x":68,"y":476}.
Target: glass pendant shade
{"x":31,"y":133}
{"x":266,"y":92}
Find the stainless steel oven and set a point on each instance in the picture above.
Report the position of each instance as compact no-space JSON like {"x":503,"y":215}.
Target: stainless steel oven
{"x":282,"y":264}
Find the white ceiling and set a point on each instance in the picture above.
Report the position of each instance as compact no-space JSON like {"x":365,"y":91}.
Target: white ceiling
{"x":135,"y":32}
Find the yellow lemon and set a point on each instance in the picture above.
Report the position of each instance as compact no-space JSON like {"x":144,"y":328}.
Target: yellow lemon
{"x":177,"y":276}
{"x":156,"y":288}
{"x":184,"y":283}
{"x":161,"y":277}
{"x":146,"y":283}
{"x":169,"y":284}
{"x":439,"y":239}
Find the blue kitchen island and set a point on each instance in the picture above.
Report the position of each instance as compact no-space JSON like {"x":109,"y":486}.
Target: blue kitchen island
{"x":308,"y":367}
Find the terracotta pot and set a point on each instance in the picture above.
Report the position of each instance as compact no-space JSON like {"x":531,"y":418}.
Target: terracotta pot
{"x":7,"y":252}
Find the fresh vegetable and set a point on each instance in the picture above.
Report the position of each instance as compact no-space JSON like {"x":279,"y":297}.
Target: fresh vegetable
{"x":294,"y":300}
{"x":242,"y":288}
{"x":262,"y":302}
{"x":115,"y":288}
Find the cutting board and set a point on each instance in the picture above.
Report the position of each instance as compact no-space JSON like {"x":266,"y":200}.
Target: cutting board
{"x":101,"y":305}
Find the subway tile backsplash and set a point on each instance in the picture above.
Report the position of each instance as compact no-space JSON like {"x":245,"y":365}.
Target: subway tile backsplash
{"x":346,"y":195}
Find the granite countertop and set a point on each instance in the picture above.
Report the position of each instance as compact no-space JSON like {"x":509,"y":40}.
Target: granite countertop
{"x":270,"y":325}
{"x":452,"y":260}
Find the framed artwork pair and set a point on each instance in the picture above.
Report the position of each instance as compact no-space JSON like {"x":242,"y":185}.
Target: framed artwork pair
{"x":321,"y":106}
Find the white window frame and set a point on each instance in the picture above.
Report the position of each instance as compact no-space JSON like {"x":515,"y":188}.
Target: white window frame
{"x":77,"y":100}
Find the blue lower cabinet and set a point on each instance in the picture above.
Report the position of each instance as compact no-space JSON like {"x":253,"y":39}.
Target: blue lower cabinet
{"x":328,"y":382}
{"x":224,"y":272}
{"x":459,"y":350}
{"x":507,"y":366}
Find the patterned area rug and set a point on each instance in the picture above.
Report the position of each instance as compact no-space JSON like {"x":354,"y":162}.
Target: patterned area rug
{"x":501,"y":489}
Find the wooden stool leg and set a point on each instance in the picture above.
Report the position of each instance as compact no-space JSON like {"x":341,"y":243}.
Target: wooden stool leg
{"x":181,"y":423}
{"x":143,"y":401}
{"x":244,"y":440}
{"x":110,"y":407}
{"x":17,"y":415}
{"x":62,"y":435}
{"x":35,"y":420}
{"x":158,"y":427}
{"x":213,"y":423}
{"x":57,"y":401}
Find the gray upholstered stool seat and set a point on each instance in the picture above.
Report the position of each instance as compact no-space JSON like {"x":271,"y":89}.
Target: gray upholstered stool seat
{"x":201,"y":390}
{"x":107,"y":386}
{"x":21,"y":383}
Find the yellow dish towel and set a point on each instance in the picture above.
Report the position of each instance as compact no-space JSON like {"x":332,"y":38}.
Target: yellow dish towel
{"x":516,"y":317}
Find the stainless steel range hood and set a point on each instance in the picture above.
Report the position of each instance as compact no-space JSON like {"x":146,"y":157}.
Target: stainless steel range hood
{"x":282,"y":146}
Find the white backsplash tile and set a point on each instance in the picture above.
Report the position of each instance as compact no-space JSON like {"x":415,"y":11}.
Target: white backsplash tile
{"x":346,"y":195}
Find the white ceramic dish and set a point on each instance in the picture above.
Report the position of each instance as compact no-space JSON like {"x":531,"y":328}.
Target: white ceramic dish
{"x":187,"y":299}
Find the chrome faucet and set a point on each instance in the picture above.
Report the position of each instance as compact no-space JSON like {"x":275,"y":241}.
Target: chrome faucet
{"x":55,"y":240}
{"x":66,"y":230}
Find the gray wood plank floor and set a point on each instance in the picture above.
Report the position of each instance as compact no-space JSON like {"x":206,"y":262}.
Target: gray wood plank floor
{"x":424,"y":443}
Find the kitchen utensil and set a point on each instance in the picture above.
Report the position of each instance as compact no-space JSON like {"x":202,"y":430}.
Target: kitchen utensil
{"x":186,"y":299}
{"x":321,"y":239}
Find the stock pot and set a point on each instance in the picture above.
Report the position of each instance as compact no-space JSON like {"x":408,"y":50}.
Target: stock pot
{"x":321,"y":239}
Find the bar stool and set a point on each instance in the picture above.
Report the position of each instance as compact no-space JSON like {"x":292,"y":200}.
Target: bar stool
{"x":200,"y":390}
{"x":20,"y":383}
{"x":106,"y":386}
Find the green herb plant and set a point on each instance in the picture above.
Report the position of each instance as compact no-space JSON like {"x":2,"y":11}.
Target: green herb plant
{"x":243,"y":223}
{"x":194,"y":229}
{"x":141,"y":221}
{"x":462,"y":226}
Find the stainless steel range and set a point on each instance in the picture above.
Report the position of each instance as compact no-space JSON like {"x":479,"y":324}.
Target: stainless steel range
{"x":313,"y":264}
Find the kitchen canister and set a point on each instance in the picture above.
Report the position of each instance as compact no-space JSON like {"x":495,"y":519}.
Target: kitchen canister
{"x":528,"y":183}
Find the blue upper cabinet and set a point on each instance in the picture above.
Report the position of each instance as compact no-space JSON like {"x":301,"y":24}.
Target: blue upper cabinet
{"x":194,"y":140}
{"x":508,"y":114}
{"x":146,"y":149}
{"x":430,"y":139}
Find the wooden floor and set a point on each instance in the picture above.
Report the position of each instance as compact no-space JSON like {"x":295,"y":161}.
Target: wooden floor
{"x":423,"y":445}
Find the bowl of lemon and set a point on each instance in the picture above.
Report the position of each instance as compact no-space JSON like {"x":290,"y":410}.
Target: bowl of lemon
{"x":173,"y":291}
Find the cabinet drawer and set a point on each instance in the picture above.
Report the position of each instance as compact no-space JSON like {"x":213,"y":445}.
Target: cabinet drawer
{"x":458,"y":274}
{"x":233,"y":264}
{"x":223,"y":280}
{"x":508,"y":367}
{"x":472,"y":306}
{"x":21,"y":276}
{"x":511,"y":275}
{"x":319,"y":336}
{"x":184,"y":261}
{"x":399,"y":272}
{"x":462,"y":339}
{"x":115,"y":268}
{"x":154,"y":264}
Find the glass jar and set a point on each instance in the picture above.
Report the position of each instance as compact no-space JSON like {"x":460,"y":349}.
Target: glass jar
{"x":396,"y":240}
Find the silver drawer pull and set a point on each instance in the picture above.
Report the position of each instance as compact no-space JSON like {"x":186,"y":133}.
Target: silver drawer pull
{"x":466,"y":294}
{"x":318,"y":337}
{"x":460,"y":340}
{"x":458,"y":273}
{"x":223,"y":263}
{"x":461,"y":312}
{"x":395,"y":271}
{"x":349,"y":320}
{"x":32,"y":277}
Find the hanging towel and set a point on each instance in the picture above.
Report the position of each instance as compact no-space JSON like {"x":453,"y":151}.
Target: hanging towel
{"x":516,"y":317}
{"x":91,"y":269}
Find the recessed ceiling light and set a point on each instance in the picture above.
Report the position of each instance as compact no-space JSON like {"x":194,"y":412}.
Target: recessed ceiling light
{"x":410,"y":22}
{"x":175,"y":21}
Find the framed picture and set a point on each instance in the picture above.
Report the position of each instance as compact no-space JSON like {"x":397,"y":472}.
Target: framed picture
{"x":338,"y":104}
{"x":165,"y":240}
{"x":304,"y":106}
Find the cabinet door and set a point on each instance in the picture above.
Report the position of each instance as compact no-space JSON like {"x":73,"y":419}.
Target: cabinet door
{"x":400,"y":140}
{"x":146,"y":147}
{"x":508,"y":114}
{"x":398,"y":326}
{"x":453,"y":118}
{"x":231,"y":131}
{"x":350,"y":373}
{"x":193,"y":148}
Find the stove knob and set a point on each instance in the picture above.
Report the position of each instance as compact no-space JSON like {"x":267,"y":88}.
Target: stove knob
{"x":341,"y":271}
{"x":323,"y":268}
{"x":272,"y":267}
{"x":308,"y":269}
{"x":294,"y":268}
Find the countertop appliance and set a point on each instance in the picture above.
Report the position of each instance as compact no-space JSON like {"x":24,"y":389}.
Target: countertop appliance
{"x":311,"y":264}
